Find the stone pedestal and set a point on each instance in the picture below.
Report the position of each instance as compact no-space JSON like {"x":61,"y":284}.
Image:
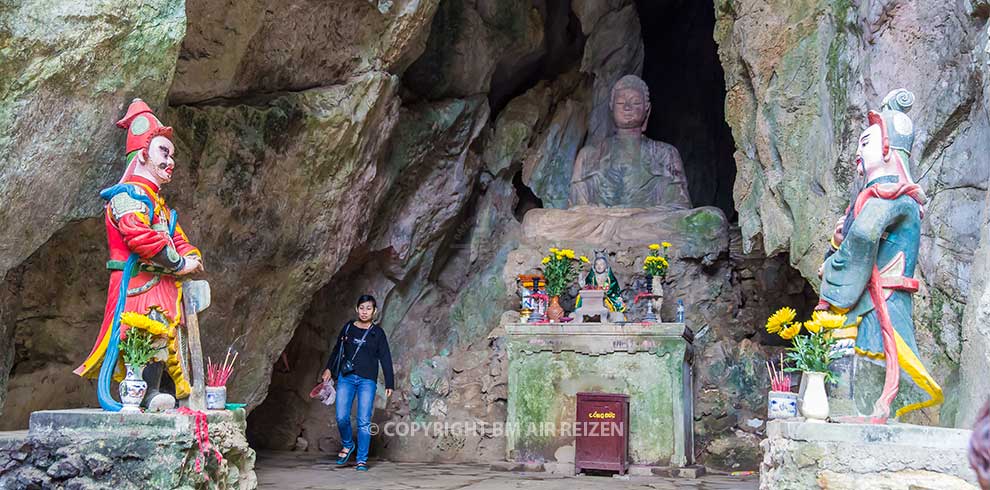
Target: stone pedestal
{"x":592,"y":305}
{"x":858,"y":384}
{"x":549,"y":364}
{"x":801,"y":455}
{"x":93,"y":449}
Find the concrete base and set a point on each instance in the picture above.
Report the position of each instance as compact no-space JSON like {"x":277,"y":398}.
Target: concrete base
{"x":801,"y":455}
{"x":550,"y":363}
{"x":92,"y":449}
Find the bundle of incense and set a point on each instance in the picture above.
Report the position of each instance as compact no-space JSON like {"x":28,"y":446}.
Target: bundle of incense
{"x":217,"y":374}
{"x":778,"y":380}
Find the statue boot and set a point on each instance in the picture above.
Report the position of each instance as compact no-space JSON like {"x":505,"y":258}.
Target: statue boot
{"x":155,"y":400}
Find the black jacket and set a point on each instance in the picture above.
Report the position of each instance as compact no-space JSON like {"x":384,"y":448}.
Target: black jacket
{"x":374,"y":352}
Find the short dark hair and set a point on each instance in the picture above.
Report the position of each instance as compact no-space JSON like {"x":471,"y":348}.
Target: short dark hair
{"x":366,"y":298}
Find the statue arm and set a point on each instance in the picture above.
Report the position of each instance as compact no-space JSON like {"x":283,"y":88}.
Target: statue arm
{"x":579,"y":191}
{"x":847,"y":272}
{"x":182,"y":244}
{"x":677,"y":189}
{"x":149,"y":244}
{"x":132,"y":218}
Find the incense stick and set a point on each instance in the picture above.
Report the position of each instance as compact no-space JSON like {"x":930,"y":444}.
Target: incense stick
{"x":218,"y":374}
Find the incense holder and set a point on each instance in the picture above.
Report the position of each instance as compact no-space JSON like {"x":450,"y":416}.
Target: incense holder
{"x":216,"y":397}
{"x":782,"y":405}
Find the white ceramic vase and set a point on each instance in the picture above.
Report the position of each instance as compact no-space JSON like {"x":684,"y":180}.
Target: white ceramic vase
{"x":814,"y":405}
{"x":132,"y":389}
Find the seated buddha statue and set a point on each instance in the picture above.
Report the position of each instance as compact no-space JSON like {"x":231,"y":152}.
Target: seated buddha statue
{"x":627,"y":169}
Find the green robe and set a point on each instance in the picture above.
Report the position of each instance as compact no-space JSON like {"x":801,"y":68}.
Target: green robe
{"x":613,"y":292}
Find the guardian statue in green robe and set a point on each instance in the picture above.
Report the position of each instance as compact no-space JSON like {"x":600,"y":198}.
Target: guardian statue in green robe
{"x":870,"y":277}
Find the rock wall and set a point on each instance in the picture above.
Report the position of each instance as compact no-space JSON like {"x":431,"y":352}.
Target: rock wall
{"x":69,"y":72}
{"x":800,"y":77}
{"x":401,"y":162}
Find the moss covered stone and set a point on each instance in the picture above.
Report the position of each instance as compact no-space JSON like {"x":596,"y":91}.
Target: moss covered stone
{"x":550,"y":364}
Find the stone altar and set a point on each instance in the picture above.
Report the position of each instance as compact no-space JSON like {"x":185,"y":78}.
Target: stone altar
{"x":93,"y":449}
{"x":550,"y":363}
{"x":802,"y":455}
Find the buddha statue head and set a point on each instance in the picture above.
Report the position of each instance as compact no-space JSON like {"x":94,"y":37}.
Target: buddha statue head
{"x":630,"y":104}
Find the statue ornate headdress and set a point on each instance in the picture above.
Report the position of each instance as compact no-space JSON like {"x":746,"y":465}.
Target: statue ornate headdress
{"x":897,"y":129}
{"x":602,"y":254}
{"x":142,"y":126}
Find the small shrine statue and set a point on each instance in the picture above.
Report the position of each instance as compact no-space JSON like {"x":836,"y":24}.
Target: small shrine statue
{"x":628,"y":169}
{"x":871,"y":274}
{"x":601,"y":276}
{"x":148,"y":251}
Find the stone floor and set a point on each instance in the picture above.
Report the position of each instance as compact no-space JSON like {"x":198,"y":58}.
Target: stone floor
{"x":299,"y":471}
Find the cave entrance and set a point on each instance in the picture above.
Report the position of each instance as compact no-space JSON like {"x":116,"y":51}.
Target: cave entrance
{"x":687,"y":92}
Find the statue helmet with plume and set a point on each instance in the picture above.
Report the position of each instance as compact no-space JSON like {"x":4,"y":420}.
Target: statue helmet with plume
{"x":897,"y":130}
{"x":142,"y":126}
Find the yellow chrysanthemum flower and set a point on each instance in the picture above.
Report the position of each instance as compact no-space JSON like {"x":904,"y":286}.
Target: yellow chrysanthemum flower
{"x":791,"y":331}
{"x":829,"y":320}
{"x":813,"y":326}
{"x":554,"y":250}
{"x":782,"y":317}
{"x":666,"y":244}
{"x":545,"y":261}
{"x":584,"y":259}
{"x":560,"y":256}
{"x":654,"y":246}
{"x":568,"y":253}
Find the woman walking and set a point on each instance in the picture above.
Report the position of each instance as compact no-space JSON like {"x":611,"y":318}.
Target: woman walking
{"x":361,"y":346}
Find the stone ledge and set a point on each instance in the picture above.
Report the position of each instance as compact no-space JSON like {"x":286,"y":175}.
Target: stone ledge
{"x":918,"y":436}
{"x":800,"y":455}
{"x":673,"y":330}
{"x":89,"y":419}
{"x":90,"y":449}
{"x":691,"y":471}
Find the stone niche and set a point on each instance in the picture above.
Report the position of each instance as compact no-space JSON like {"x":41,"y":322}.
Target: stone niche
{"x":90,"y":449}
{"x":550,"y":363}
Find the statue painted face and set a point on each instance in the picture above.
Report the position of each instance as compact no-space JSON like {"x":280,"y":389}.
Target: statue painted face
{"x":158,"y":160}
{"x":601,"y":265}
{"x":630,"y":108}
{"x":869,"y":151}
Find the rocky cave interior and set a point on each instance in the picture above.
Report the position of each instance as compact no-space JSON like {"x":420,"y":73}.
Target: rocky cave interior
{"x":687,"y":92}
{"x":418,"y":202}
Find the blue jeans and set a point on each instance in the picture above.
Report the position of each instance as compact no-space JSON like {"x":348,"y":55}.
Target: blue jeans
{"x":347,"y":387}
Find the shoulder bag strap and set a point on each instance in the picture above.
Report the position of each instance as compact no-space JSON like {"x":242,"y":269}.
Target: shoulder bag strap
{"x":362,"y":342}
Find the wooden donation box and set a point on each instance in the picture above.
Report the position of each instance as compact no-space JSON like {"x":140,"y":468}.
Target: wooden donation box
{"x":601,"y":436}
